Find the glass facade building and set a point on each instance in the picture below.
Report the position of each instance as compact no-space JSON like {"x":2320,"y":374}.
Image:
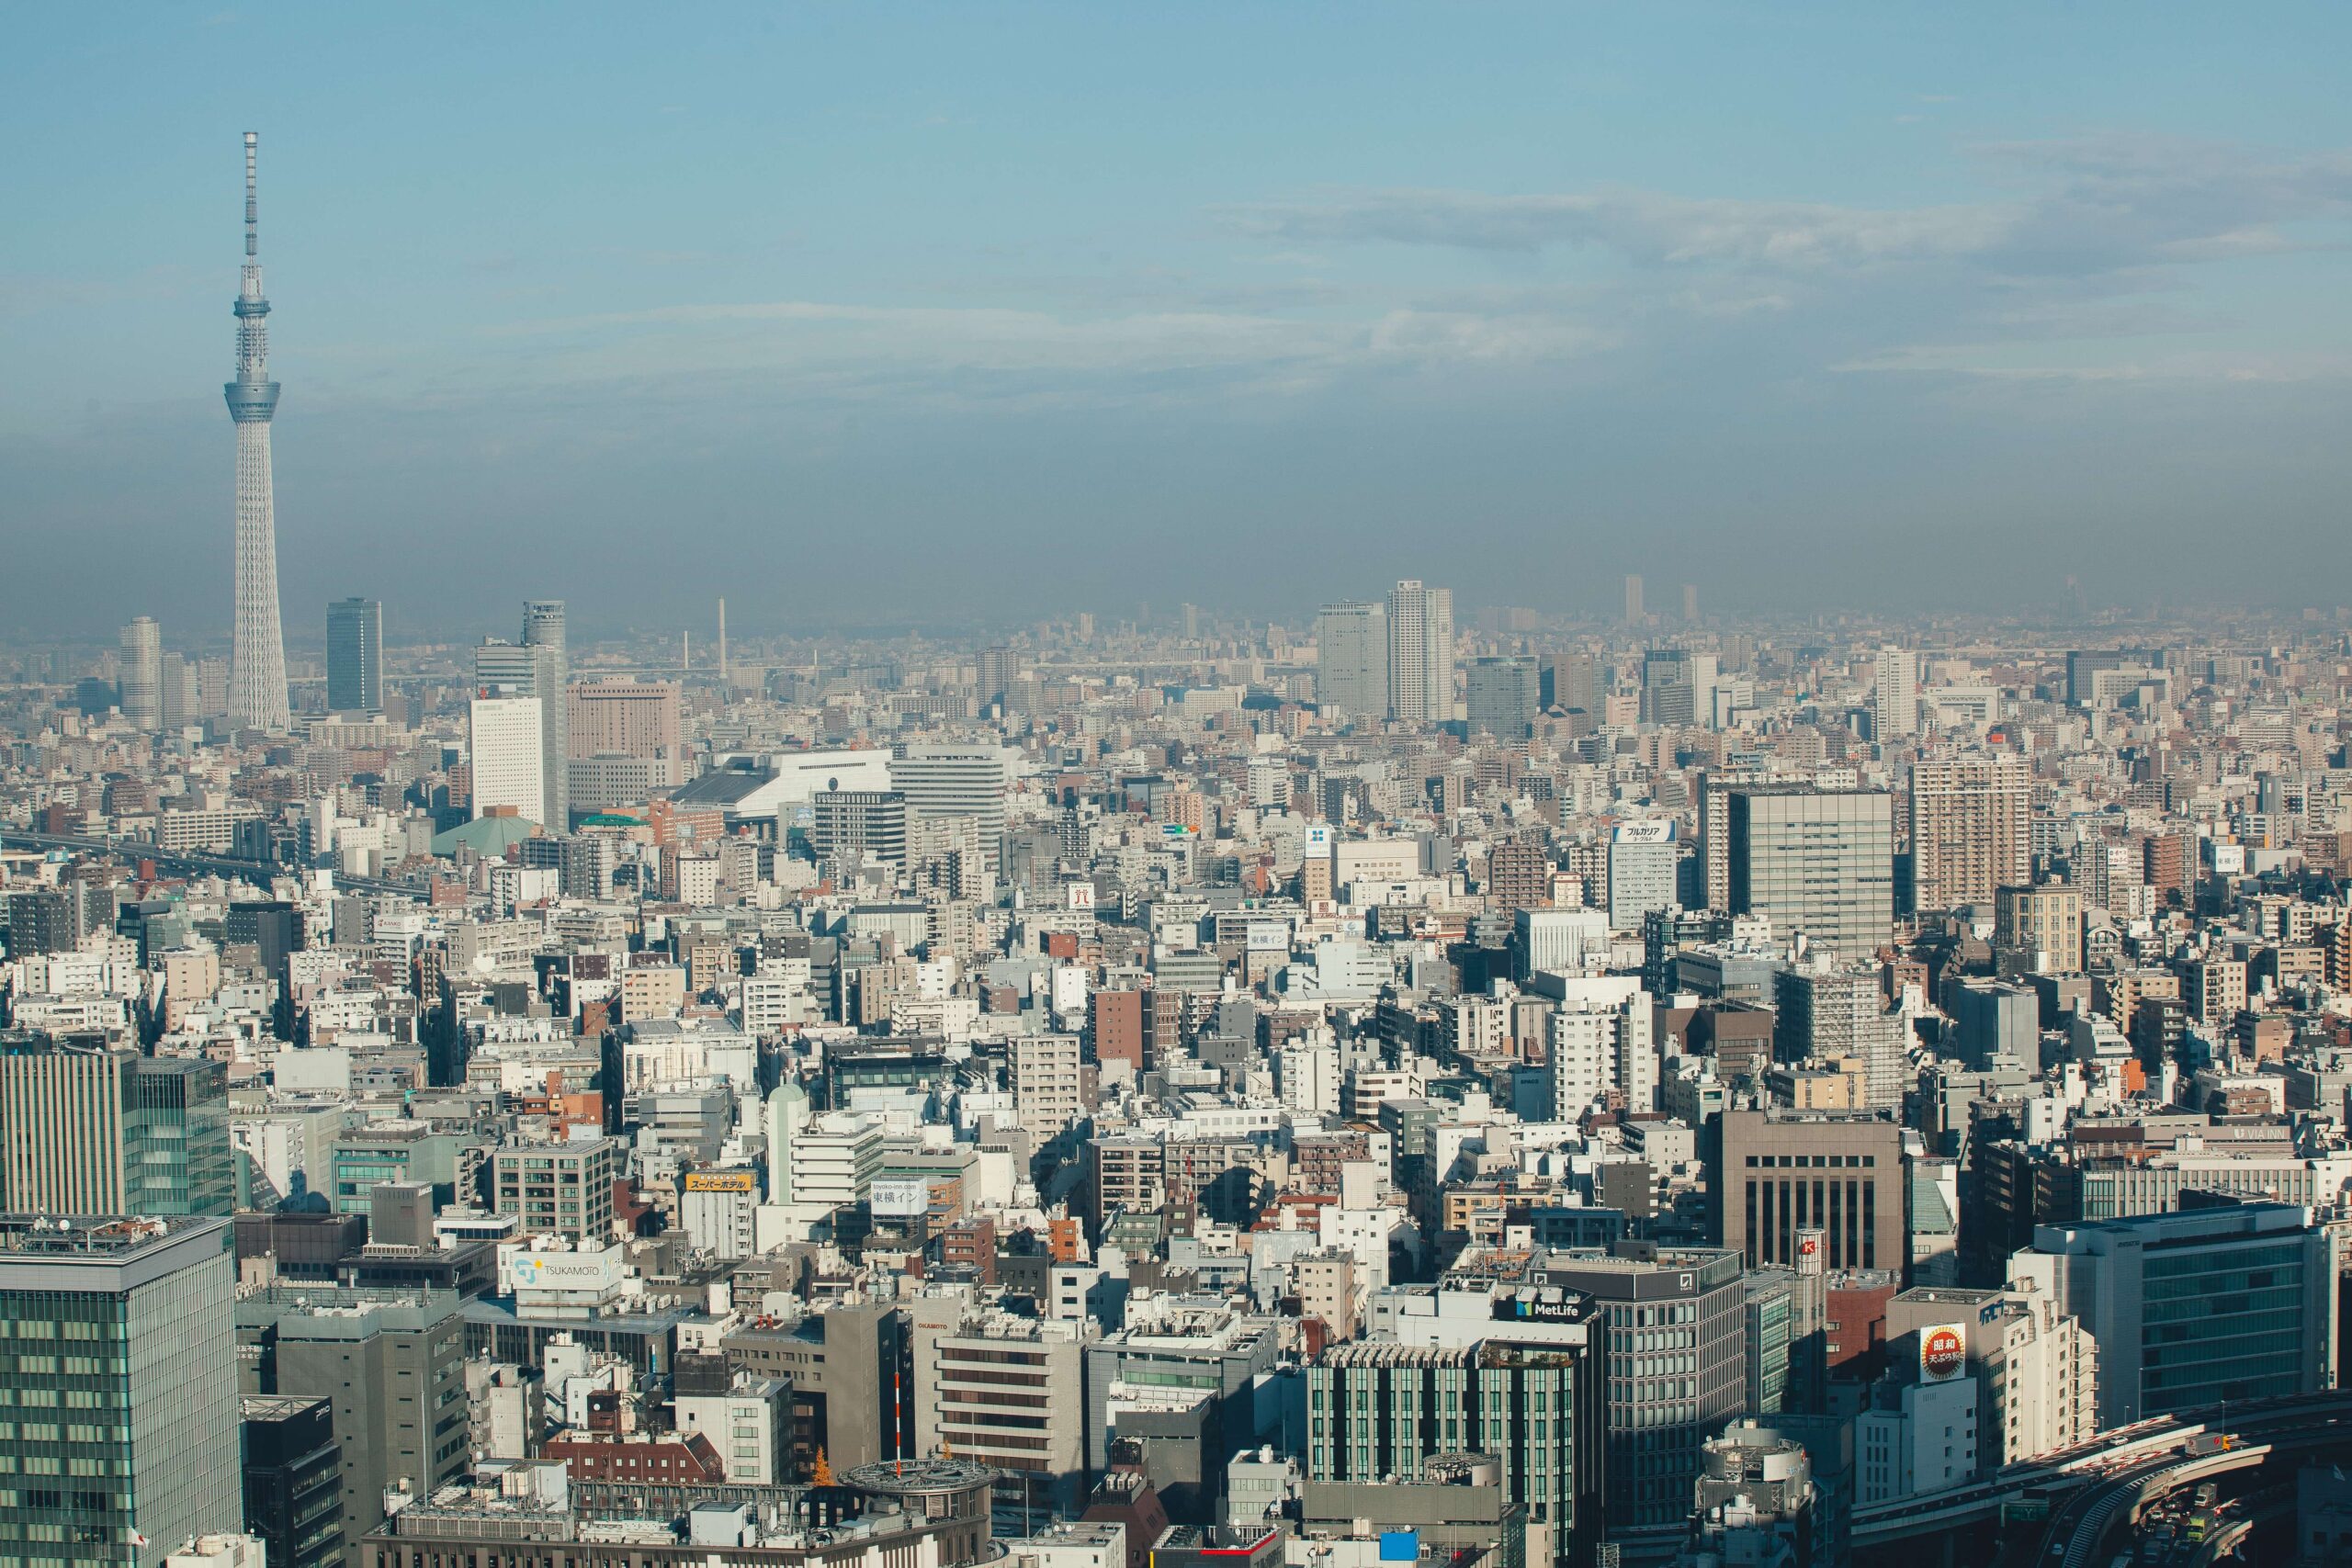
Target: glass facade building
{"x":118,"y":1432}
{"x":356,"y":656}
{"x":101,"y":1132}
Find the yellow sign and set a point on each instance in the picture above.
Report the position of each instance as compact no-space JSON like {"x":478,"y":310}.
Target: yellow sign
{"x":721,"y":1181}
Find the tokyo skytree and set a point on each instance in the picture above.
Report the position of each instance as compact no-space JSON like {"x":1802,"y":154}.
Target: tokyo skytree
{"x":257,"y":656}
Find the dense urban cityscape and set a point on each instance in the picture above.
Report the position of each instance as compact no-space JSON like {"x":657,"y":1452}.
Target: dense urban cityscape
{"x":1163,"y":1086}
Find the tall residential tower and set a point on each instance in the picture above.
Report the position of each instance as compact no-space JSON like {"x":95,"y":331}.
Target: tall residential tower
{"x":257,"y":664}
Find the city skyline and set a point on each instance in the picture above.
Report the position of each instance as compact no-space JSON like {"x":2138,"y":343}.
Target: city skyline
{"x":1962,"y":287}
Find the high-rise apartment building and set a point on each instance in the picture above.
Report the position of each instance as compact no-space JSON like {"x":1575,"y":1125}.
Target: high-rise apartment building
{"x":996,"y":669}
{"x":1499,"y":698}
{"x":1420,"y":653}
{"x":1842,"y":1015}
{"x":1970,"y":832}
{"x":1351,"y":660}
{"x":1895,"y":693}
{"x":257,"y":663}
{"x":121,"y":1389}
{"x":504,"y":735}
{"x":1817,"y":864}
{"x":100,"y":1132}
{"x":140,"y":687}
{"x":356,"y":656}
{"x":1778,"y":1177}
{"x":2043,"y":925}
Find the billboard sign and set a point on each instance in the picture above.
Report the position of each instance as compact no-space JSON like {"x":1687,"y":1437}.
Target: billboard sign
{"x":1943,"y":1353}
{"x":898,"y":1197}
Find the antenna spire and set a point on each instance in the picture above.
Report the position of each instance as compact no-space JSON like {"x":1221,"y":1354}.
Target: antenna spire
{"x":253,"y":206}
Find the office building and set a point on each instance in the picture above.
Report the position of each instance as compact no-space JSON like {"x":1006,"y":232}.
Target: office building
{"x":504,"y":738}
{"x":1818,"y":864}
{"x":1644,"y":859}
{"x":182,"y":699}
{"x":257,"y":659}
{"x":1675,"y":1363}
{"x":2232,"y":1302}
{"x":1384,"y":1413}
{"x":1793,"y":1188}
{"x":1186,"y":1368}
{"x":947,"y":779}
{"x":293,"y":1480}
{"x":1669,"y":687}
{"x":848,"y":825}
{"x":1969,"y":829}
{"x":140,"y":687}
{"x":1420,"y":653}
{"x":1351,"y":660}
{"x":557,"y":1189}
{"x":1499,"y":698}
{"x":122,"y":1389}
{"x":1568,"y":681}
{"x":356,"y":656}
{"x":1009,"y":1393}
{"x":1895,"y":693}
{"x":391,"y":1365}
{"x":624,"y":719}
{"x":543,"y":634}
{"x":86,"y":1131}
{"x":1634,"y":614}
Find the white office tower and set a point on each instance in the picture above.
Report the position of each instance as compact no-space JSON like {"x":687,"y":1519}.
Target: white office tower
{"x":1602,"y":1042}
{"x":551,"y":667}
{"x":1894,"y":692}
{"x":1420,"y":653}
{"x":258,"y":652}
{"x":949,"y":779}
{"x":508,"y":769}
{"x":1351,"y":660}
{"x":140,"y":691}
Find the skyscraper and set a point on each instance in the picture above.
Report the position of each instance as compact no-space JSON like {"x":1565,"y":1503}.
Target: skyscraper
{"x":101,"y":1131}
{"x":1351,"y":660}
{"x":1895,"y":693}
{"x":1498,"y":695}
{"x":505,"y":732}
{"x":1633,"y":599}
{"x":258,"y":663}
{"x":1420,"y":653}
{"x":125,"y":1331}
{"x":543,"y":635}
{"x":141,"y":686}
{"x":356,"y":656}
{"x":1817,"y":864}
{"x":1970,"y":833}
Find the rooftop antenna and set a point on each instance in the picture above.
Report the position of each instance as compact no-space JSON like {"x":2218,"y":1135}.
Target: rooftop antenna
{"x":252,"y":203}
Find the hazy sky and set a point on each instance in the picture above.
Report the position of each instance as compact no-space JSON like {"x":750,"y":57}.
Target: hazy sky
{"x":904,"y":314}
